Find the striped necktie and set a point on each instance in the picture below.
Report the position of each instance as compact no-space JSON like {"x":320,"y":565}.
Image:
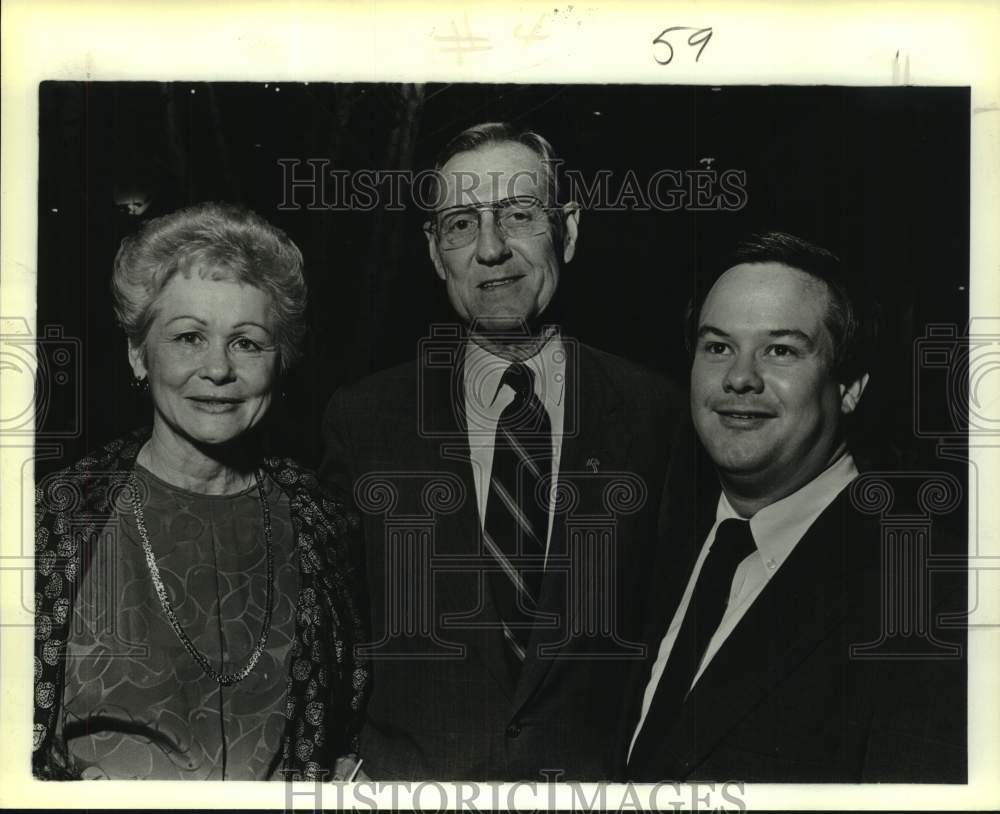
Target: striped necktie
{"x":517,"y":510}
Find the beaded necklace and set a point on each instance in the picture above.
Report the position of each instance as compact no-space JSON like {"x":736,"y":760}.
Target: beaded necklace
{"x":223,"y":679}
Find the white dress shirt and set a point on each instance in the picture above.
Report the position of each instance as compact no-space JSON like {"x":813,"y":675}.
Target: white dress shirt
{"x":485,"y":399}
{"x":776,"y":531}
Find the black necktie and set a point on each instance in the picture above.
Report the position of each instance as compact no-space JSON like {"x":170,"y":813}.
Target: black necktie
{"x":517,"y":509}
{"x":733,"y":543}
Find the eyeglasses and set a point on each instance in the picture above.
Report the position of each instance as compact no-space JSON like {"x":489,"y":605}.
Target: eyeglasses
{"x":520,"y":216}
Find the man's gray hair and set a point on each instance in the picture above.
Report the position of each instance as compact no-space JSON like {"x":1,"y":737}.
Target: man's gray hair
{"x":492,"y":133}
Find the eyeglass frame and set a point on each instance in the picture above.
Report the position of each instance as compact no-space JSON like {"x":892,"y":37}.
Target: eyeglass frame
{"x":430,"y":226}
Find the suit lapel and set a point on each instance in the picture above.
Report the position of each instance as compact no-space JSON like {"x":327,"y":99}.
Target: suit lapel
{"x":593,"y":438}
{"x":688,"y":506}
{"x":688,"y":509}
{"x":666,"y":590}
{"x":795,"y":611}
{"x":592,"y":433}
{"x":463,"y":608}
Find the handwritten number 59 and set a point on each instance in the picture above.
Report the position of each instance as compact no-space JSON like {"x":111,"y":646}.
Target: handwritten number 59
{"x":700,"y":38}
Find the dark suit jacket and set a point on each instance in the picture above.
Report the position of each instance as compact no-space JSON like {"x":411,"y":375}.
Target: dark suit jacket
{"x":784,"y":699}
{"x":443,"y":704}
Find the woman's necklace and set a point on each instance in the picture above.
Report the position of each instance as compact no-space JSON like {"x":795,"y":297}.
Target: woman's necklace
{"x":224,"y":679}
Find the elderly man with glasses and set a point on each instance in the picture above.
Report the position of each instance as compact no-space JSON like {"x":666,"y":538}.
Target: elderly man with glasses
{"x":509,"y":482}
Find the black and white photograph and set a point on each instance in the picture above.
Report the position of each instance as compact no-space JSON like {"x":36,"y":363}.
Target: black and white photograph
{"x":498,"y":441}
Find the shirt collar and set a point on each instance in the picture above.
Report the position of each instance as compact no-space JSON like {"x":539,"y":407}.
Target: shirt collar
{"x":483,"y":371}
{"x":777,"y":528}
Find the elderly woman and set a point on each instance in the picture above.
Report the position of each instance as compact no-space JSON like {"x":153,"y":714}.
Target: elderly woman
{"x":196,"y":610}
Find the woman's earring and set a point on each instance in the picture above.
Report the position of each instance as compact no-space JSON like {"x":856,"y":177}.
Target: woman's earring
{"x":140,"y":384}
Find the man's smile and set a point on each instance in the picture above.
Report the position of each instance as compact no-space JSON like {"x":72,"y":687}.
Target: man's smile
{"x":489,"y":285}
{"x":742,"y":417}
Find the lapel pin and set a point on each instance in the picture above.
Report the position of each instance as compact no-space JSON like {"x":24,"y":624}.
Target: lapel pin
{"x":593,"y":464}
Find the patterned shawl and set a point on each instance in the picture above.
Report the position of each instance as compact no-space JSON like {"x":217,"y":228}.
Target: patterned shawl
{"x":327,"y":687}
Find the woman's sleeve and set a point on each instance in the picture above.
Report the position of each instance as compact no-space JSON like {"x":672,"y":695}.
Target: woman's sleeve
{"x":346,"y":572}
{"x":49,"y":759}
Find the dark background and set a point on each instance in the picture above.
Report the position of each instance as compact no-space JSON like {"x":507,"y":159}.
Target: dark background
{"x":878,"y":175}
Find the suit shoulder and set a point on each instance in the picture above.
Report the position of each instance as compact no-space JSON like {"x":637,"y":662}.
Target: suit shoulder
{"x":380,"y":387}
{"x":634,"y":377}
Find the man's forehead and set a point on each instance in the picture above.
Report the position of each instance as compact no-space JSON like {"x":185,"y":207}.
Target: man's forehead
{"x":492,"y":172}
{"x":767,"y":297}
{"x":768,"y":288}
